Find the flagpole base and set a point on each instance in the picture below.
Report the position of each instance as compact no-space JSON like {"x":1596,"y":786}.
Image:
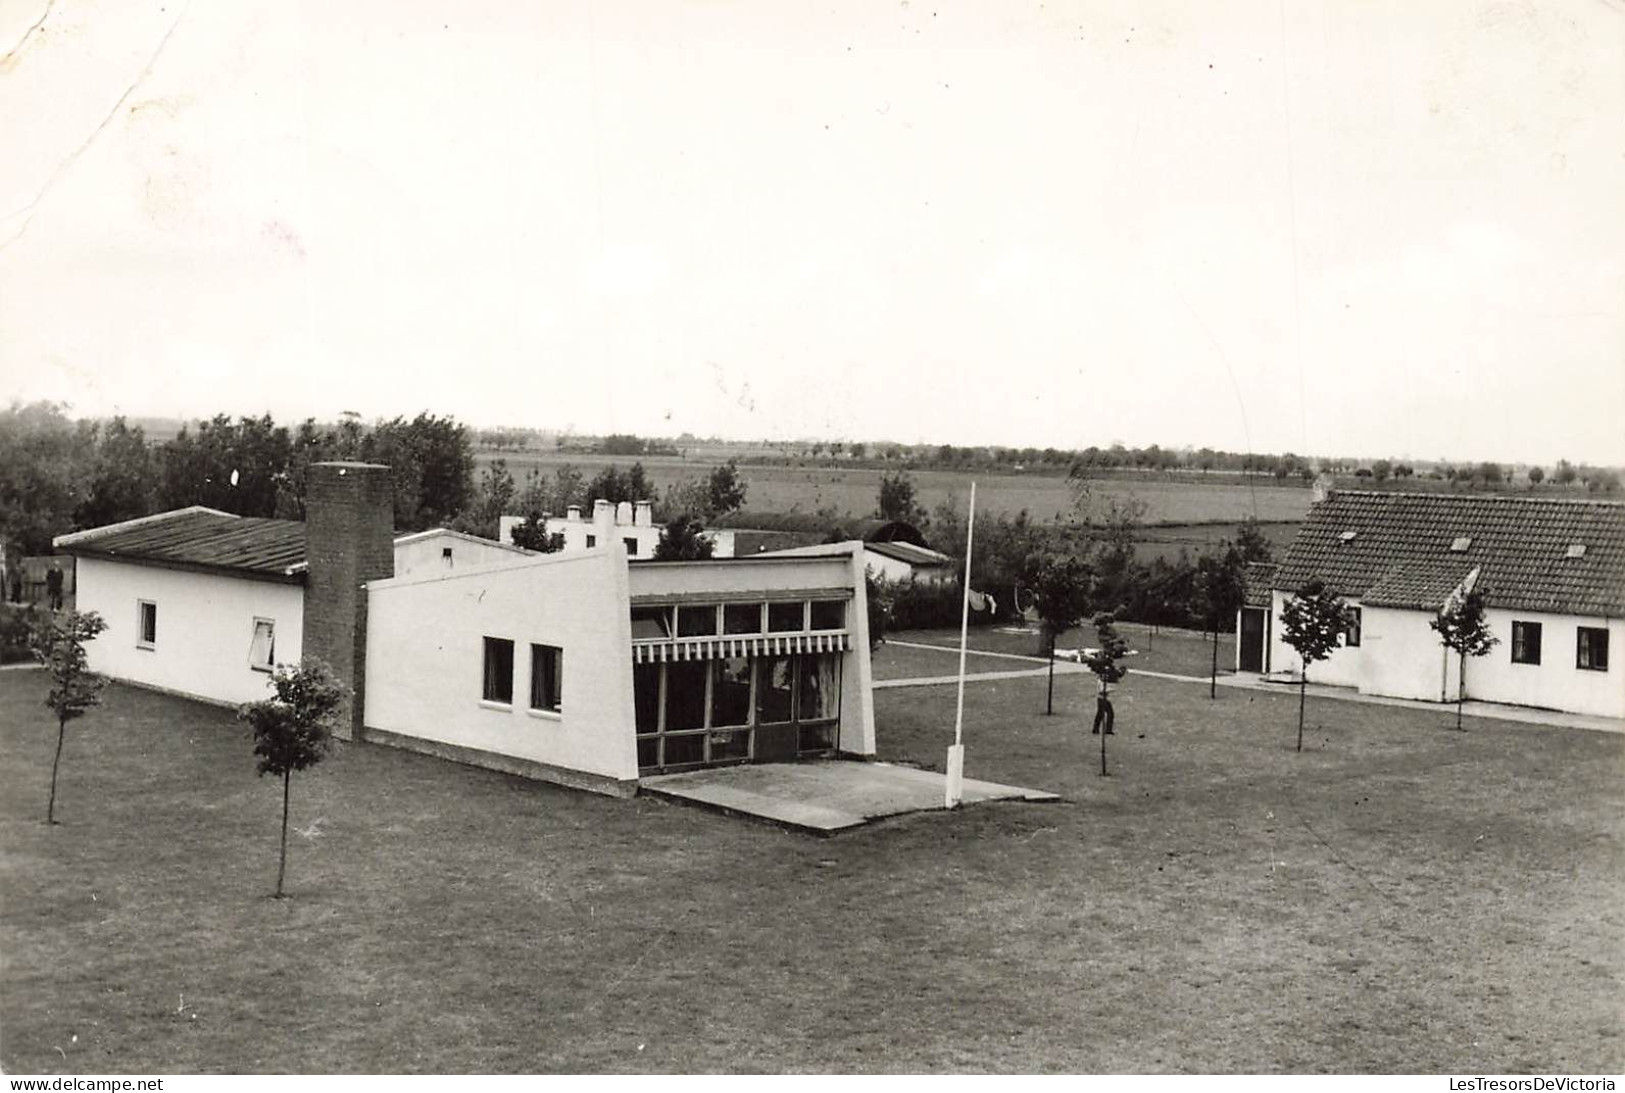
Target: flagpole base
{"x":954,"y":787}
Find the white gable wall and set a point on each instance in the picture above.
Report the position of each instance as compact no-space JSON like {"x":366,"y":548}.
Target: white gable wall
{"x":425,"y":553}
{"x":205,"y":627}
{"x":425,"y":658}
{"x":1555,"y":683}
{"x":1404,"y":658}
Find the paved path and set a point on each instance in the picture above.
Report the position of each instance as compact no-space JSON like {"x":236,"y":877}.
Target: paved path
{"x":1253,"y":682}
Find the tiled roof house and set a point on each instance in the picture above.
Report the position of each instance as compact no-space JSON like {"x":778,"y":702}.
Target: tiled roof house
{"x":1552,"y":572}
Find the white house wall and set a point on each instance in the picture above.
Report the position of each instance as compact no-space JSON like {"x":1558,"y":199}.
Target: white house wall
{"x":423,"y":555}
{"x":1554,"y":683}
{"x":1344,"y":668}
{"x":1405,"y":659}
{"x":425,"y":657}
{"x":205,"y":627}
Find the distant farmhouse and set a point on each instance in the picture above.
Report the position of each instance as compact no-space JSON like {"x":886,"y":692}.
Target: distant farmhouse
{"x":583,"y":667}
{"x":1552,"y":572}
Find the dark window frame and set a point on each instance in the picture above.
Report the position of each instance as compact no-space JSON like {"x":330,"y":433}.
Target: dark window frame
{"x":1591,"y":655}
{"x":492,"y":678}
{"x":1352,"y":632}
{"x":546,"y":686}
{"x":146,"y":624}
{"x":1526,"y":642}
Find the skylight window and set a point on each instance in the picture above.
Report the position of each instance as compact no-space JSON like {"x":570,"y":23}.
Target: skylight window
{"x":1461,"y":544}
{"x":1576,"y":550}
{"x":1347,"y":536}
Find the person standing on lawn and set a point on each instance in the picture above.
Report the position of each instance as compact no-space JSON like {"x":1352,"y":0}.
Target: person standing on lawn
{"x":1104,"y":714}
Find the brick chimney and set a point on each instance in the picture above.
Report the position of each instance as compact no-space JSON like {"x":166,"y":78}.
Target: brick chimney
{"x":349,"y":540}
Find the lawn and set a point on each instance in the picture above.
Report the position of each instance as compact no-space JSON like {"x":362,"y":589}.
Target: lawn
{"x":1399,"y":897}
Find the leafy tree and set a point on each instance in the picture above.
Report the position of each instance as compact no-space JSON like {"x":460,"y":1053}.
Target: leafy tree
{"x":1460,"y":625}
{"x":615,"y":487}
{"x":1537,"y":475}
{"x":532,"y":534}
{"x":43,"y":474}
{"x":1251,"y":541}
{"x":1382,"y":470}
{"x":895,"y":500}
{"x":293,"y":729}
{"x":725,"y":489}
{"x":60,"y":647}
{"x":1565,"y":473}
{"x":878,"y":602}
{"x":1060,"y":586}
{"x":1114,"y":537}
{"x":493,"y":500}
{"x":683,"y":540}
{"x":1311,"y":622}
{"x":1220,"y":589}
{"x":120,"y":481}
{"x":1105,"y":661}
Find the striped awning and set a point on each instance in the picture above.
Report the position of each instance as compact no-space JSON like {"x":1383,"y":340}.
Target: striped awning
{"x":718,"y":648}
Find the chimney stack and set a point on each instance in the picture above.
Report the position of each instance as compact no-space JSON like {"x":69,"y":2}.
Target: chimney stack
{"x":623,"y":513}
{"x":573,"y":514}
{"x":349,"y":540}
{"x":643,"y":514}
{"x":603,"y":519}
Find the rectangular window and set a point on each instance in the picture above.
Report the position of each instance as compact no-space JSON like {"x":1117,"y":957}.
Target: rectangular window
{"x":262,"y":646}
{"x":592,"y":541}
{"x":146,"y":630}
{"x":742,"y":618}
{"x":1591,"y":649}
{"x":685,"y":695}
{"x":631,"y":546}
{"x":775,"y":690}
{"x":820,"y":686}
{"x":698,"y":621}
{"x":646,"y":698}
{"x":498,"y":671}
{"x":546,"y":677}
{"x":828,"y":614}
{"x":651,"y":622}
{"x":730,"y":692}
{"x":1525,"y":642}
{"x":784,"y":617}
{"x":1351,"y":632}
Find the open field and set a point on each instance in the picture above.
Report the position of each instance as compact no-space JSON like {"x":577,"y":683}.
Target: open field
{"x":853,"y":490}
{"x":1400,"y":897}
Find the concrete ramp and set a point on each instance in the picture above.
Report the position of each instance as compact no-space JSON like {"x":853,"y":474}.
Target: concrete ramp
{"x":823,"y":797}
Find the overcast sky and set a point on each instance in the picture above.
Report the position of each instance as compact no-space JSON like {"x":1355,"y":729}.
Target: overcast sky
{"x":1356,"y":228}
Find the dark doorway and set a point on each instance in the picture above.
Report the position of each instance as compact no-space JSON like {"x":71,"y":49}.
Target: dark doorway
{"x":1253,"y":621}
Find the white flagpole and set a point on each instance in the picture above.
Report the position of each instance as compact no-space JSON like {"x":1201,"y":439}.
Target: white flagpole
{"x":953,"y":788}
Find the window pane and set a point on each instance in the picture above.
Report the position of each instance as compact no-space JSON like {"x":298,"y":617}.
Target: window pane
{"x":646,"y":696}
{"x":775,"y":690}
{"x":1593,"y":649}
{"x":649,"y":751}
{"x":546,"y":682}
{"x":498,"y":670}
{"x":651,"y":622}
{"x":817,"y":737}
{"x":631,"y":545}
{"x":1526,"y":643}
{"x":820,"y":686}
{"x":698,"y":621}
{"x":742,"y":618}
{"x":149,"y":624}
{"x":262,"y":648}
{"x":730,"y":692}
{"x":684,"y":749}
{"x":685,"y":695}
{"x":729,"y":745}
{"x":828,"y":614}
{"x":785,"y":616}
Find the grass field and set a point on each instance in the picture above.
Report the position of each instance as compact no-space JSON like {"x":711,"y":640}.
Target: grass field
{"x":1399,"y":897}
{"x":853,"y":490}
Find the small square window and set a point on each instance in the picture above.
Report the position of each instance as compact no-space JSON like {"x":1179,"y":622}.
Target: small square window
{"x":631,"y":545}
{"x":592,"y":541}
{"x":1591,"y":649}
{"x":262,"y":646}
{"x":1525,"y":642}
{"x":146,"y":624}
{"x":785,"y":617}
{"x":828,"y":614}
{"x":742,"y":618}
{"x":546,"y":677}
{"x":697,"y":621}
{"x":445,"y":556}
{"x":498,"y":684}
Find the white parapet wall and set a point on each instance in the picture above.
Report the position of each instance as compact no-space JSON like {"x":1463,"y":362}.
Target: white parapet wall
{"x":204,"y":633}
{"x":425,"y":666}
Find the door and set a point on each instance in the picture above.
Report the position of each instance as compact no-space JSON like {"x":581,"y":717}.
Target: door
{"x":1252,"y":639}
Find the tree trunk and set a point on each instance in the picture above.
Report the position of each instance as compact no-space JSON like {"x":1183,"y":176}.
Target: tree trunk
{"x":50,"y":807}
{"x":1103,"y":735}
{"x":1213,"y":680}
{"x":282,"y":865}
{"x":1303,"y":685}
{"x":1461,"y":690}
{"x":1049,"y":703}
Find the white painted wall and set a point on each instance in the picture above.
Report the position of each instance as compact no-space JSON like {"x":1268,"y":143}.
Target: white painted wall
{"x":425,"y":655}
{"x":424,"y":553}
{"x":1405,"y":659}
{"x":575,"y":534}
{"x":1344,"y":668}
{"x":1555,"y":682}
{"x":205,"y":626}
